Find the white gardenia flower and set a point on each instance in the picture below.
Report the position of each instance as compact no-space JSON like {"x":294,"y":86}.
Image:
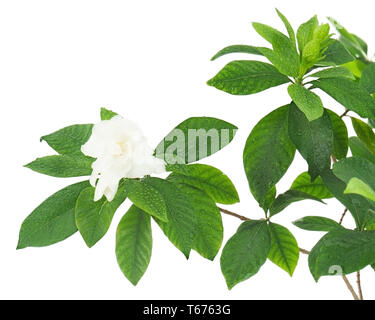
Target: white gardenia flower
{"x":121,"y":151}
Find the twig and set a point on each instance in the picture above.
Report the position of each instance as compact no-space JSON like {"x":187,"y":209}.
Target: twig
{"x":230,"y":213}
{"x":359,"y":285}
{"x":350,"y":287}
{"x":304,"y":251}
{"x":343,"y":216}
{"x":344,"y":114}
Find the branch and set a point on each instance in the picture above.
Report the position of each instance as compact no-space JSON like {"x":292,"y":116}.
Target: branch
{"x":359,"y":285}
{"x":354,"y":294}
{"x":343,"y":216}
{"x":230,"y":213}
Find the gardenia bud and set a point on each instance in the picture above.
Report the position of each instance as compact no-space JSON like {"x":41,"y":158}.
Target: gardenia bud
{"x":321,"y":33}
{"x":121,"y":151}
{"x":311,"y":51}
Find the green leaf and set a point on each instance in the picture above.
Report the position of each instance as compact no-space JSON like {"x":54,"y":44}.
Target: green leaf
{"x":134,"y":244}
{"x":360,"y":168}
{"x":356,"y":67}
{"x":340,"y":136}
{"x":268,"y":153}
{"x":195,"y":139}
{"x":305,"y":32}
{"x":52,"y":221}
{"x":93,"y":218}
{"x":286,"y":199}
{"x":209,"y":233}
{"x":284,"y":248}
{"x":357,"y":186}
{"x":284,"y":55}
{"x":288,"y":27}
{"x":353,"y":43}
{"x":208,"y":179}
{"x":182,"y":225}
{"x":313,"y":139}
{"x":70,"y":139}
{"x":318,"y":224}
{"x":246,"y":77}
{"x":246,"y":252}
{"x":270,"y":198}
{"x":342,"y":251}
{"x":358,"y":149}
{"x":336,"y":55}
{"x":315,"y":188}
{"x":146,"y":198}
{"x":62,"y":166}
{"x":364,"y":173}
{"x":307,"y":101}
{"x":368,"y":78}
{"x":364,"y":133}
{"x":348,"y":93}
{"x":237,"y":48}
{"x":335,"y":72}
{"x":358,"y":206}
{"x":106,"y":114}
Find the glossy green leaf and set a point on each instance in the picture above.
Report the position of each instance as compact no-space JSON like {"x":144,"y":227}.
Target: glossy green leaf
{"x":356,"y":67}
{"x":284,"y":248}
{"x":134,"y":244}
{"x":268,"y":153}
{"x":360,"y":168}
{"x":357,"y":186}
{"x":307,"y":101}
{"x":353,"y":43}
{"x":358,"y":149}
{"x":70,"y":139}
{"x":237,"y":48}
{"x":288,"y":198}
{"x":194,"y":139}
{"x":342,"y":252}
{"x":364,"y":133}
{"x":348,"y":93}
{"x":52,"y":221}
{"x":340,"y":136}
{"x":182,"y":225}
{"x":270,"y":198}
{"x":368,"y":78}
{"x":336,"y":55}
{"x":247,"y":77}
{"x":146,"y":198}
{"x":335,"y":72}
{"x":318,"y":224}
{"x":246,"y":252}
{"x":93,"y":218}
{"x":306,"y":31}
{"x":62,"y":166}
{"x":208,"y":179}
{"x":106,"y":114}
{"x":315,"y":188}
{"x":358,"y":206}
{"x":288,"y":27}
{"x":284,"y":55}
{"x":313,"y":139}
{"x":209,"y":233}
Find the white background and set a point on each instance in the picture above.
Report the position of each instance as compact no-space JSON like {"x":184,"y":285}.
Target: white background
{"x":60,"y":61}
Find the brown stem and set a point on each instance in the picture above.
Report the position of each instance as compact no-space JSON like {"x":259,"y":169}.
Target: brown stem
{"x":359,"y":285}
{"x":343,"y":216}
{"x":350,"y":287}
{"x":304,"y":251}
{"x":230,"y":213}
{"x":344,"y":114}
